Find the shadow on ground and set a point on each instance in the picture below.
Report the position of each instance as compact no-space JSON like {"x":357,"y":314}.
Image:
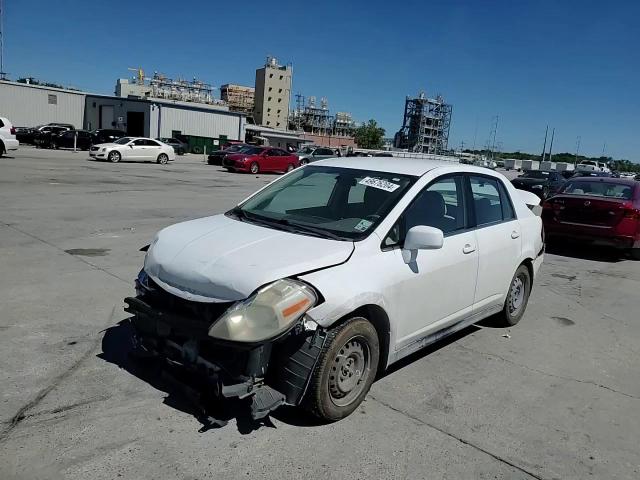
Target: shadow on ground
{"x":585,"y":251}
{"x":214,"y":413}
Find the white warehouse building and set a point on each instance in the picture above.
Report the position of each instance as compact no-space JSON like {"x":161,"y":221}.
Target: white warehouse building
{"x":30,"y":105}
{"x":201,"y":125}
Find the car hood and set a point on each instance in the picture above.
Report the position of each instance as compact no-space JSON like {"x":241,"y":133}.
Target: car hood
{"x":220,"y":259}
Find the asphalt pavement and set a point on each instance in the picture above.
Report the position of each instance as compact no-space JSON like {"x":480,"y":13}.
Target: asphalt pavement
{"x":555,"y":397}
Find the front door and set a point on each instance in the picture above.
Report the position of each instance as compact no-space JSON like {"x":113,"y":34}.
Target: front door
{"x":136,"y":150}
{"x":499,"y":243}
{"x":270,"y":161}
{"x":437,"y":289}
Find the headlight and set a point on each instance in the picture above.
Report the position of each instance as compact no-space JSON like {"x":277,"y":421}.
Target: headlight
{"x":269,"y":312}
{"x":536,"y":186}
{"x":102,"y":149}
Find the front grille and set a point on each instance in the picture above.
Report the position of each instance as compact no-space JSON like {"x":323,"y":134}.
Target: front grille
{"x":199,"y":311}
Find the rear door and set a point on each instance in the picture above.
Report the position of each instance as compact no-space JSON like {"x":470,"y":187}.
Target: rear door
{"x":499,"y":244}
{"x":152,"y":150}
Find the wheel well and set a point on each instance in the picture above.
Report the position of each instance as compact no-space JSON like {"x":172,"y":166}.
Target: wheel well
{"x":380,"y":321}
{"x":529,"y":264}
{"x":2,"y":149}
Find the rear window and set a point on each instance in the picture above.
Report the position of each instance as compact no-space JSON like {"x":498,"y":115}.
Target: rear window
{"x":598,"y":189}
{"x":1,"y":124}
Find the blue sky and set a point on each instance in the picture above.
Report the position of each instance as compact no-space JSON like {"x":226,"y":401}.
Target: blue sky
{"x":574,"y":65}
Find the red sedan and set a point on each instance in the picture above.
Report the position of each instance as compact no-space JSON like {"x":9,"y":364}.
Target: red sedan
{"x":261,"y":159}
{"x":602,"y":211}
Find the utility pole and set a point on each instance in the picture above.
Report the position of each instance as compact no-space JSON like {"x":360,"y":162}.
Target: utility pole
{"x":475,"y":134}
{"x":3,"y":75}
{"x":553,"y":133}
{"x":604,"y":146}
{"x":544,"y":147}
{"x":577,"y":149}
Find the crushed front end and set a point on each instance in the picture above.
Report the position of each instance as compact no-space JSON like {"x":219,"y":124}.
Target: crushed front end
{"x":263,"y":347}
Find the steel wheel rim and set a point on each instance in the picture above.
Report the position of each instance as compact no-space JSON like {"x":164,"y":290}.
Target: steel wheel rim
{"x":516,"y":299}
{"x":350,"y":370}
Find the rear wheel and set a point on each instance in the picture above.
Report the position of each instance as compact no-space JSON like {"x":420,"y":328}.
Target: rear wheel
{"x":2,"y":149}
{"x":114,"y":157}
{"x":162,"y":158}
{"x":304,"y":161}
{"x":254,"y":168}
{"x":517,"y":298}
{"x":290,"y":167}
{"x":345,"y":370}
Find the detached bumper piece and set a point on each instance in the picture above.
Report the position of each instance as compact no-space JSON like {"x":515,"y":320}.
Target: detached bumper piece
{"x":174,"y":330}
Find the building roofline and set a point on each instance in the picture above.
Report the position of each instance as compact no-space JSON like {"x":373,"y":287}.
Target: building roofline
{"x":43,"y":87}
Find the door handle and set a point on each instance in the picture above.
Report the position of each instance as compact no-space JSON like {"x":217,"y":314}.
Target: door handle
{"x":468,"y":248}
{"x":515,"y":234}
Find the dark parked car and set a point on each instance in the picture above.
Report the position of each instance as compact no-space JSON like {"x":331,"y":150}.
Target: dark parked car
{"x":598,"y":210}
{"x":217,"y":157}
{"x":592,"y":173}
{"x":106,"y":135}
{"x":261,"y":159}
{"x":539,"y":182}
{"x":178,"y":145}
{"x":43,"y":138}
{"x":83,"y":139}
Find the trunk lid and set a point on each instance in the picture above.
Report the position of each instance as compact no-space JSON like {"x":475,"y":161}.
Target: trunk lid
{"x":589,"y":210}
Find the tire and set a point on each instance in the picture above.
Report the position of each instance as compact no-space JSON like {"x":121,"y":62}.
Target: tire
{"x":2,"y":149}
{"x":254,"y":168}
{"x":163,"y":158}
{"x":635,"y":253}
{"x":53,"y":146}
{"x":114,"y":157}
{"x":517,"y":298}
{"x":290,"y":167}
{"x":303,"y":161}
{"x":197,"y":149}
{"x":345,"y":370}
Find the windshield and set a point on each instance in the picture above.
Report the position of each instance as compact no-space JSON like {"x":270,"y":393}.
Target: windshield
{"x":251,"y":150}
{"x":598,"y":189}
{"x":123,"y":140}
{"x":535,"y":174}
{"x":331,"y":202}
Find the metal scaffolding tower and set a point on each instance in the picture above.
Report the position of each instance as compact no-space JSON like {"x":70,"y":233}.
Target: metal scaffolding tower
{"x":425,"y":127}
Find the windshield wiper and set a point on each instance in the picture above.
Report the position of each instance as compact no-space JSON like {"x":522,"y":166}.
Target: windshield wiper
{"x":308,"y":228}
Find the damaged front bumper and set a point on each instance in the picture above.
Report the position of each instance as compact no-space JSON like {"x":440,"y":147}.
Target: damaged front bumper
{"x":271,"y":372}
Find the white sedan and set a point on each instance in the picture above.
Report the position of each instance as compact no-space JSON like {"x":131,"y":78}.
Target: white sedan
{"x":306,"y":290}
{"x":135,"y":149}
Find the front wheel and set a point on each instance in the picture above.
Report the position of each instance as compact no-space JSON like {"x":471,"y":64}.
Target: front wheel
{"x":303,"y":161}
{"x":345,"y":370}
{"x":290,"y":167}
{"x":517,"y":298}
{"x":254,"y":168}
{"x":114,"y":157}
{"x":162,"y":158}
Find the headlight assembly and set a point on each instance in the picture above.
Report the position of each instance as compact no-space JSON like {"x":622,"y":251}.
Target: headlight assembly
{"x":271,"y":311}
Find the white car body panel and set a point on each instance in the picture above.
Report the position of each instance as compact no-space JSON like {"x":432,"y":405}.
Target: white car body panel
{"x":8,"y":139}
{"x":221,"y":259}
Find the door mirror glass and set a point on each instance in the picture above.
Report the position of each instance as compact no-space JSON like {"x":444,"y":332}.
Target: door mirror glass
{"x":421,"y":237}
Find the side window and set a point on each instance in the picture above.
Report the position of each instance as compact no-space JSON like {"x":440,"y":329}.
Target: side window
{"x":507,"y":207}
{"x":1,"y":124}
{"x":140,"y":143}
{"x":486,"y":200}
{"x":152,"y":143}
{"x":439,"y":205}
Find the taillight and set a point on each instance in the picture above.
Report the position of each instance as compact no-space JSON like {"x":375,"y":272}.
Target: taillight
{"x":630,"y":212}
{"x":13,"y":130}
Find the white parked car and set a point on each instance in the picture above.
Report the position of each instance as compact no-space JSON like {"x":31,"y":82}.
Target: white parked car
{"x":8,"y":140}
{"x":137,"y":149}
{"x":322,"y":279}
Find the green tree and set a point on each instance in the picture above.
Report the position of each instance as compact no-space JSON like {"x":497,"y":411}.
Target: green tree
{"x":370,"y":135}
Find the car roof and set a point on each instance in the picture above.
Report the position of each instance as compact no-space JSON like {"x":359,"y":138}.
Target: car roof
{"x":406,"y":166}
{"x":622,"y":181}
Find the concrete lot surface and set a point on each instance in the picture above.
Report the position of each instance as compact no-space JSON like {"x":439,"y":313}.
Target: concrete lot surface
{"x":556,"y":397}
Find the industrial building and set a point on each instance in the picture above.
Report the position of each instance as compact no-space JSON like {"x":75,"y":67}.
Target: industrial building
{"x":30,"y":105}
{"x":272,"y":94}
{"x":199,"y":124}
{"x":425,"y":127}
{"x":314,"y":122}
{"x":238,"y":97}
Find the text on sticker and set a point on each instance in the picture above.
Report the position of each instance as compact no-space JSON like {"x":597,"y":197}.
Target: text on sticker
{"x":379,"y":183}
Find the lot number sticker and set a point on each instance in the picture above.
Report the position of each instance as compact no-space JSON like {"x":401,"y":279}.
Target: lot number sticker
{"x":379,"y":183}
{"x":363,"y":225}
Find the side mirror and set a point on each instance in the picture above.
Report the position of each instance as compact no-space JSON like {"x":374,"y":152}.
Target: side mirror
{"x":130,"y":145}
{"x":421,"y":237}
